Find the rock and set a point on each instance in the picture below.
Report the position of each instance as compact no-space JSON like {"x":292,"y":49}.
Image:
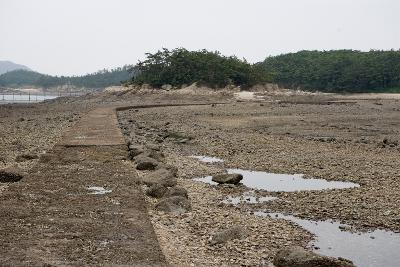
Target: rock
{"x":11,"y":175}
{"x":153,"y":146}
{"x":224,"y":236}
{"x":175,"y":204}
{"x":157,"y":155}
{"x":345,"y":228}
{"x":176,"y":191}
{"x":135,"y":150}
{"x":145,"y":163}
{"x":166,"y":87}
{"x":25,"y":157}
{"x":299,"y":257}
{"x":227,"y":178}
{"x":327,"y":139}
{"x":156,"y":190}
{"x":162,"y":177}
{"x":389,"y":142}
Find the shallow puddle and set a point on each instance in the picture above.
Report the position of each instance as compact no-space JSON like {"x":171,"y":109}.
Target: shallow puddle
{"x":207,"y":159}
{"x":98,"y":190}
{"x":247,"y":198}
{"x":276,"y":182}
{"x":377,"y":248}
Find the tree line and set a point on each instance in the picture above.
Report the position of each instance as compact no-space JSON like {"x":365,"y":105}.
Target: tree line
{"x":99,"y":79}
{"x":329,"y":71}
{"x":179,"y":67}
{"x":337,"y":71}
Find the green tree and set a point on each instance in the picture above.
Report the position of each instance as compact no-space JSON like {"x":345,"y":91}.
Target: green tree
{"x":179,"y":67}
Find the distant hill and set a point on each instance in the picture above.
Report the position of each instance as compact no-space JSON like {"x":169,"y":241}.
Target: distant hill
{"x":337,"y":70}
{"x":97,"y":80}
{"x":6,"y":66}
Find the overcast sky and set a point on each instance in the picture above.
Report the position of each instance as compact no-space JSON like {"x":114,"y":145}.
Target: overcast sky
{"x":66,"y":37}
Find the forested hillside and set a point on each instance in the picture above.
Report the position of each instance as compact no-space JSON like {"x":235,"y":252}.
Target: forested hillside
{"x":100,"y":79}
{"x":179,"y":67}
{"x":335,"y":71}
{"x":329,"y":71}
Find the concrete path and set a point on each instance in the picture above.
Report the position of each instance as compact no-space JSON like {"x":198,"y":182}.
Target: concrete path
{"x":80,"y":206}
{"x":98,"y":128}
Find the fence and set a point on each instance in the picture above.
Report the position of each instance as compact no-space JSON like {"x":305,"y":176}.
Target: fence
{"x":33,"y":97}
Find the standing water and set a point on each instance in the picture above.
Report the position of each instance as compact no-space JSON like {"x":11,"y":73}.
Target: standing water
{"x":372,"y":249}
{"x":275,"y":182}
{"x":98,"y":190}
{"x":207,"y":159}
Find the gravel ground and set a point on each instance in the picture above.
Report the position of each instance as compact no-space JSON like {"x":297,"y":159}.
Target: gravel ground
{"x":28,"y":130}
{"x":32,"y":129}
{"x":321,"y":136}
{"x":330,"y":138}
{"x":185,"y":238}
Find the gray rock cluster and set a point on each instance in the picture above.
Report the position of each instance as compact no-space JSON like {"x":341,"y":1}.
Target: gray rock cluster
{"x":161,"y":180}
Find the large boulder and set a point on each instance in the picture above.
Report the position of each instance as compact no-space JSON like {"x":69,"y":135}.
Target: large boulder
{"x":162,"y":177}
{"x":235,"y":232}
{"x":175,"y":204}
{"x":299,"y":257}
{"x":227,"y":178}
{"x":156,"y":190}
{"x":176,"y":191}
{"x":145,"y":163}
{"x":11,"y":175}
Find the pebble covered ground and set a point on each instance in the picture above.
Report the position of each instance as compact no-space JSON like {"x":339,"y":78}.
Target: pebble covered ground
{"x":353,"y":141}
{"x":323,"y":137}
{"x":29,"y":130}
{"x":293,"y":139}
{"x":185,"y":238}
{"x":32,"y":129}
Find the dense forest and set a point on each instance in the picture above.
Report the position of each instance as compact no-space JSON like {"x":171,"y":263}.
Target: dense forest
{"x":180,"y":67}
{"x":329,"y":71}
{"x":100,"y":79}
{"x":337,"y":71}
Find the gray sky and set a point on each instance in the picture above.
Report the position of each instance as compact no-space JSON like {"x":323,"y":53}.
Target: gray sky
{"x":81,"y":36}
